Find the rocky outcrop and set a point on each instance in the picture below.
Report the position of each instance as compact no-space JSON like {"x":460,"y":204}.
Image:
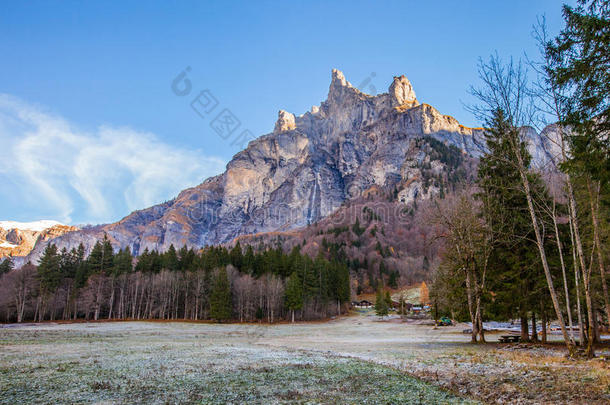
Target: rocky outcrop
{"x":302,"y":172}
{"x":19,"y":238}
{"x":401,"y":92}
{"x":285,"y":122}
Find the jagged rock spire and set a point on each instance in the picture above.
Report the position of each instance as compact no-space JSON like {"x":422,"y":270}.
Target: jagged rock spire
{"x":339,"y":89}
{"x":338,"y":79}
{"x":401,"y":92}
{"x":285,"y":121}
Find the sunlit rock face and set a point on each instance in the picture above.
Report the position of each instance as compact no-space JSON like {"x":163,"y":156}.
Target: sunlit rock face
{"x":285,"y":122}
{"x":19,"y":238}
{"x":301,"y":172}
{"x":401,"y":92}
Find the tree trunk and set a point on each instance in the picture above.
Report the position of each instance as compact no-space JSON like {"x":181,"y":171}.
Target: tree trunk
{"x":525,"y":335}
{"x":594,"y":199}
{"x":20,"y":298}
{"x":473,"y":319}
{"x":66,"y":314}
{"x":75,"y":315}
{"x":36,"y":312}
{"x":581,"y":330}
{"x":563,"y":273}
{"x":590,"y":315}
{"x":478,"y":316}
{"x":134,"y":302}
{"x":186,"y":301}
{"x":580,"y":253}
{"x":534,"y":328}
{"x":540,"y":243}
{"x":111,"y":302}
{"x":480,"y":323}
{"x":122,"y":300}
{"x":579,"y":250}
{"x":544,"y":321}
{"x":98,"y":298}
{"x":596,"y":335}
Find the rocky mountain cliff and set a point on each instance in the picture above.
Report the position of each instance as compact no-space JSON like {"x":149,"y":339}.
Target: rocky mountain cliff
{"x":19,"y":238}
{"x":303,"y":171}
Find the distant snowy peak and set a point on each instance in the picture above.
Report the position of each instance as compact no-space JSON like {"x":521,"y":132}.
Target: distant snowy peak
{"x":19,"y":238}
{"x":35,"y":226}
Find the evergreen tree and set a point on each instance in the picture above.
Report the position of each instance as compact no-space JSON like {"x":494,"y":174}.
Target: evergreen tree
{"x":220,"y":300}
{"x":357,"y":229}
{"x":308,"y":277}
{"x":101,"y":257}
{"x":108,"y":255}
{"x":320,"y":274}
{"x":514,"y":270}
{"x":68,"y":264}
{"x":236,"y":256}
{"x":388,"y":299}
{"x":379,"y":248}
{"x":123,"y":262}
{"x":95,"y":257}
{"x":392,"y":283}
{"x":381,"y":305}
{"x":186,"y":258}
{"x":260,"y":314}
{"x":143,"y":263}
{"x":294,"y":294}
{"x":49,"y":270}
{"x":170,"y":259}
{"x":149,"y":262}
{"x":343,"y":290}
{"x":249,"y":260}
{"x":426,"y":264}
{"x":382,"y":269}
{"x":82,"y":267}
{"x":581,"y":65}
{"x":6,"y":265}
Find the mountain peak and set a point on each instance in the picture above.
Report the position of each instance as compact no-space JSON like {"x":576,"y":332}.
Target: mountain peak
{"x":338,"y":79}
{"x":401,"y":92}
{"x":302,"y":172}
{"x":285,"y":121}
{"x":340,"y":89}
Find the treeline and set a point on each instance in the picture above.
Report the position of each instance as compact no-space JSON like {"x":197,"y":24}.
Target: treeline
{"x":215,"y":283}
{"x":529,"y":238}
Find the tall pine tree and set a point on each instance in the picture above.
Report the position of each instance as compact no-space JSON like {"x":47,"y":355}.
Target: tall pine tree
{"x":294,"y":294}
{"x":515,"y":272}
{"x":220,"y":300}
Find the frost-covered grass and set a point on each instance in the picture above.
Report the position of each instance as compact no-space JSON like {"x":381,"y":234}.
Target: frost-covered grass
{"x":355,"y":359}
{"x":141,"y":362}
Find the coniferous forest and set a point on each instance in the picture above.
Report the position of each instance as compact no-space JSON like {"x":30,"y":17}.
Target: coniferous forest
{"x":212,"y":284}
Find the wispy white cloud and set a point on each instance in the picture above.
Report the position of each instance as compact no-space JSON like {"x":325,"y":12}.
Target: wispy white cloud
{"x":106,"y":172}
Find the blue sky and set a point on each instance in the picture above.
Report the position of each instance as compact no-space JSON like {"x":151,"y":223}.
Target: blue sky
{"x":92,"y":130}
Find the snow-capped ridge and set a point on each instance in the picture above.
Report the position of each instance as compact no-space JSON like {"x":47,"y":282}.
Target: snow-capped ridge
{"x":35,"y":226}
{"x":19,"y":238}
